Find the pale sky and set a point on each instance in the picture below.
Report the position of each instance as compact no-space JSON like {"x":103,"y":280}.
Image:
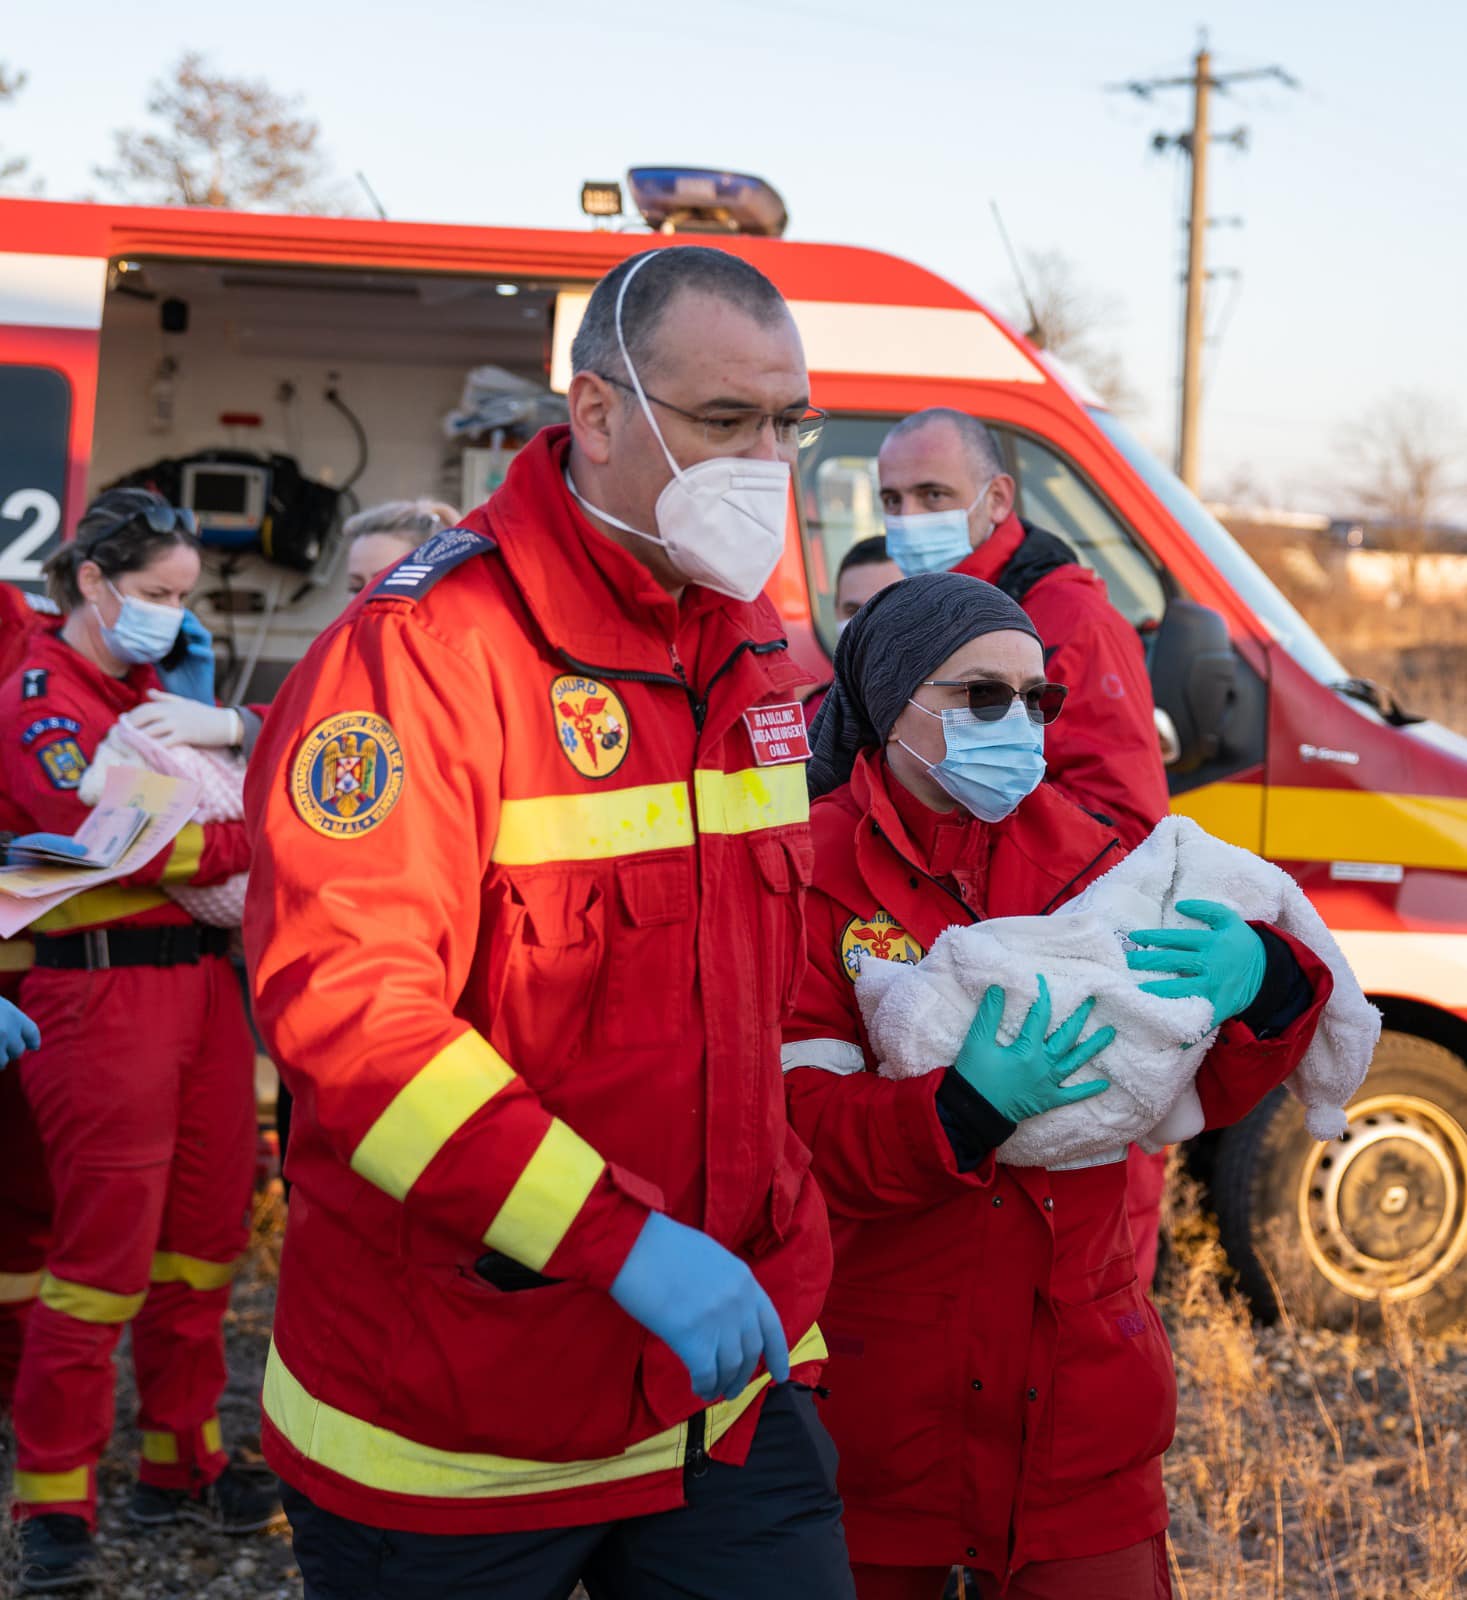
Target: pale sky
{"x":893,"y":123}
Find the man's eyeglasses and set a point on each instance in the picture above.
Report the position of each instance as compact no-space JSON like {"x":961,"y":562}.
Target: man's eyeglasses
{"x":740,"y":430}
{"x":990,"y":701}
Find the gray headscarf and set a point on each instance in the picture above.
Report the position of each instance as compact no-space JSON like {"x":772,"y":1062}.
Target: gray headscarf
{"x":893,"y":642}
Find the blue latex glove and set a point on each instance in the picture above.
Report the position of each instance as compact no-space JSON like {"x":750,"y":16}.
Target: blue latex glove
{"x":17,"y":1034}
{"x":1225,"y":961}
{"x":704,"y":1302}
{"x":61,"y":842}
{"x":1027,"y":1077}
{"x":193,"y":677}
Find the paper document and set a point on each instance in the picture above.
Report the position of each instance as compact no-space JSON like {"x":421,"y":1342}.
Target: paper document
{"x":163,"y":804}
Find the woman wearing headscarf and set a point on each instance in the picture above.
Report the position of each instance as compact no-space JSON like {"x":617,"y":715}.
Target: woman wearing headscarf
{"x":1001,"y":1390}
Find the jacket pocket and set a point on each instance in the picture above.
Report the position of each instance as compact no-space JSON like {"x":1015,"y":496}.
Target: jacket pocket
{"x":785,"y":863}
{"x":1113,"y":1398}
{"x":892,"y":1406}
{"x":542,"y":1374}
{"x":649,"y":990}
{"x":547,"y":949}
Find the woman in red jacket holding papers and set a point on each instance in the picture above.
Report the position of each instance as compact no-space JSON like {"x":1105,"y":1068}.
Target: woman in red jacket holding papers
{"x":142,"y":1089}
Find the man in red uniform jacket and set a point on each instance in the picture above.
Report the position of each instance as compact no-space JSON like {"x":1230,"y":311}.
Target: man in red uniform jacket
{"x":950,"y":505}
{"x":524,"y":923}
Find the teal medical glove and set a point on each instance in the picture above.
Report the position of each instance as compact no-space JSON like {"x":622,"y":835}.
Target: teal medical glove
{"x":1027,"y":1077}
{"x":1225,"y":961}
{"x":704,"y":1302}
{"x":17,"y":1033}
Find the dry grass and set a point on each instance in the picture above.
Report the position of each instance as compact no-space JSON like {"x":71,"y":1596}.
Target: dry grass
{"x":1307,"y":1466}
{"x":1310,"y":1464}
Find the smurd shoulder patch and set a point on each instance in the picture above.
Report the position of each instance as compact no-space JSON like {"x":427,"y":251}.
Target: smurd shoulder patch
{"x":434,"y":559}
{"x":881,"y":936}
{"x":347,"y":774}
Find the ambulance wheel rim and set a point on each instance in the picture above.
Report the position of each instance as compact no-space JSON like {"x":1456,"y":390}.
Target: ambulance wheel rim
{"x":1383,"y":1208}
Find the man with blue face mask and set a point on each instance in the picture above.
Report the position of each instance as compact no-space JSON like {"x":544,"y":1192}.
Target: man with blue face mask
{"x":950,"y":506}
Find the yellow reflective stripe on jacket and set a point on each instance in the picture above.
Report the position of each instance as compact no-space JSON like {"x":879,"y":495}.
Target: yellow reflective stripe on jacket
{"x":756,"y":797}
{"x":87,"y":1304}
{"x":171,"y":1267}
{"x":186,"y":854}
{"x":594,"y":825}
{"x":18,"y":1287}
{"x":428,"y":1110}
{"x":17,"y":955}
{"x":96,"y":906}
{"x":393,"y":1464}
{"x":52,"y":1488}
{"x":547,"y":1195}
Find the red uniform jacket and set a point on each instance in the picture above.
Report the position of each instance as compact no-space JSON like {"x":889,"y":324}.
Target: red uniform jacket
{"x":55,"y":709}
{"x":524,"y":923}
{"x":17,"y":622}
{"x":1001,"y":1389}
{"x":1103,"y":751}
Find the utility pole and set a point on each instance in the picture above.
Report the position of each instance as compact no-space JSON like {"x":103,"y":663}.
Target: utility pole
{"x":1202,"y":81}
{"x":1192,"y":319}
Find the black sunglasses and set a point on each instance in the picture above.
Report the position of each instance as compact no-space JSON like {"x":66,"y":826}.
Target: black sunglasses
{"x":990,"y":701}
{"x":160,"y":518}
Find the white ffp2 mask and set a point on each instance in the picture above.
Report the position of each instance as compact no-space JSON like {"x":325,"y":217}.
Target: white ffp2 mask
{"x":721,"y":521}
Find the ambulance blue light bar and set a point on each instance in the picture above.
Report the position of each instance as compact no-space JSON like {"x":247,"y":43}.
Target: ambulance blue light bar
{"x":697,"y":200}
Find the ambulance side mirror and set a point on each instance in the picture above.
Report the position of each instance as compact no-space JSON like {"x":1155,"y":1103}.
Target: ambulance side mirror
{"x":1194,"y":678}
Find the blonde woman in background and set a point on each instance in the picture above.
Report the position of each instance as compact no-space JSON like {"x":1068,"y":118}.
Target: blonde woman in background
{"x":382,"y":535}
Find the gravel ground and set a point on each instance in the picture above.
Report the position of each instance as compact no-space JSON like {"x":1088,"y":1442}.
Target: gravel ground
{"x":1306,"y":1464}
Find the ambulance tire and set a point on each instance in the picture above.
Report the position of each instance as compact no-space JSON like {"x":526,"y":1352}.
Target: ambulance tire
{"x":1381,"y":1211}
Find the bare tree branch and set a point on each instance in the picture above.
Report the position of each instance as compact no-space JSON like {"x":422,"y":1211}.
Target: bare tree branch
{"x":12,"y":168}
{"x":1405,"y":469}
{"x":1072,"y":321}
{"x":221,"y":141}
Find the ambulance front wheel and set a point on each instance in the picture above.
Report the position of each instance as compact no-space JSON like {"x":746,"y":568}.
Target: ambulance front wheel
{"x":1378,"y":1215}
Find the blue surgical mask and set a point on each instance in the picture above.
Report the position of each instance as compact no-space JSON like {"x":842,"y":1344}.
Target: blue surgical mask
{"x":990,"y":767}
{"x":931,"y":541}
{"x":144,"y":631}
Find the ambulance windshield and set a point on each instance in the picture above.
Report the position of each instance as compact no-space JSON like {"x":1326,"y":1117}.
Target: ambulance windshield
{"x":1284,"y":624}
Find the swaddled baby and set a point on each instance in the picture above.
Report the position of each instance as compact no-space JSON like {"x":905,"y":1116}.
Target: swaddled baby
{"x":918,"y":1016}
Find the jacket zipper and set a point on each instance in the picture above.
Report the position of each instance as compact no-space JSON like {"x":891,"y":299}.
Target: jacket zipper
{"x":678,"y":678}
{"x":696,"y":1460}
{"x":1113,"y":845}
{"x":952,"y":894}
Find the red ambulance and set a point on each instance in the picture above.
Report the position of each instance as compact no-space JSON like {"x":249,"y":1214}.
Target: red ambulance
{"x":283,"y":369}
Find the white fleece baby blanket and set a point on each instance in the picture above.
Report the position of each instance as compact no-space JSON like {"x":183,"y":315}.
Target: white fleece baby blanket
{"x":917,"y":1016}
{"x":220,"y":777}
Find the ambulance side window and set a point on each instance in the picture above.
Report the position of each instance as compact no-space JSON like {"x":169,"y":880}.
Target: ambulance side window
{"x":1053,"y":495}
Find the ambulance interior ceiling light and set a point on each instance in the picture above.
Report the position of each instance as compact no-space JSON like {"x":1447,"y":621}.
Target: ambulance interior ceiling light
{"x":697,"y":200}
